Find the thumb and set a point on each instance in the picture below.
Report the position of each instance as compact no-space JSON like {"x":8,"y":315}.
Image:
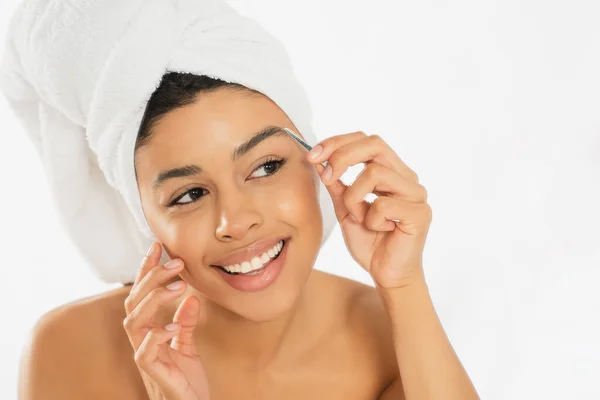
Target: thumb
{"x":186,"y":316}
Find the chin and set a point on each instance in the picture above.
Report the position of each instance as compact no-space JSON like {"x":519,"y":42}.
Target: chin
{"x":268,"y":309}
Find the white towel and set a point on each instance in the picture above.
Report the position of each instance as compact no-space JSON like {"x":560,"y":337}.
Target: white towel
{"x":78,"y":74}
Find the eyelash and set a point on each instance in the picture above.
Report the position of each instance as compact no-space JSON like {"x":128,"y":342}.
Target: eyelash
{"x":276,"y":161}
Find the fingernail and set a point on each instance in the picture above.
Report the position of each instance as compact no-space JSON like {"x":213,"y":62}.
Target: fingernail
{"x":172,"y":327}
{"x":315,"y":152}
{"x":150,"y":250}
{"x":172,"y":264}
{"x":326,"y":174}
{"x":175,"y":285}
{"x":353,"y":218}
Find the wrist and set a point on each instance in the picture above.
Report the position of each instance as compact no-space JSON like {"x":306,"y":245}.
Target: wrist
{"x":415,"y":278}
{"x":410,"y":292}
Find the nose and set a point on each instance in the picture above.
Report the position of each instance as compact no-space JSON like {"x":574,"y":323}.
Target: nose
{"x":236,"y":217}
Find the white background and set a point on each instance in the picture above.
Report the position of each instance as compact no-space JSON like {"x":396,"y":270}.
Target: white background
{"x":494,"y":103}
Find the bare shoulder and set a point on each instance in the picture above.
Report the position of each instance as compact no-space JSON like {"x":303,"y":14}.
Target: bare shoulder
{"x":80,"y":350}
{"x":362,"y":306}
{"x":372,"y":326}
{"x":367,"y":325}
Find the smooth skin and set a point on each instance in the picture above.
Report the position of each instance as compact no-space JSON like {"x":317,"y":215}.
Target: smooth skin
{"x":309,"y":334}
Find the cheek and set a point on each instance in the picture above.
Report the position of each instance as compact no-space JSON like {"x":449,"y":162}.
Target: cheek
{"x":296,"y":201}
{"x":296,"y":205}
{"x":184,"y":236}
{"x":285,"y":206}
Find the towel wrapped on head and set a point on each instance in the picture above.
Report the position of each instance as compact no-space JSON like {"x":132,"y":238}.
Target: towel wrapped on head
{"x":78,"y":75}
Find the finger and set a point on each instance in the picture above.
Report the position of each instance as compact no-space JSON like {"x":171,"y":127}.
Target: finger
{"x":154,"y":348}
{"x":414,"y":218}
{"x":336,"y":192}
{"x":187,"y":317}
{"x":370,"y":149}
{"x":329,"y":145}
{"x":382,"y":181}
{"x":140,"y":320}
{"x":157,"y":276}
{"x":150,"y":260}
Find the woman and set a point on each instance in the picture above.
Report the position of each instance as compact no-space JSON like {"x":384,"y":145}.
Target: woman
{"x":238,"y":312}
{"x":285,"y":330}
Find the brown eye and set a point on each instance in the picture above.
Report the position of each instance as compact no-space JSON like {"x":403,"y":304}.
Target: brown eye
{"x":270,"y":167}
{"x":190,"y":196}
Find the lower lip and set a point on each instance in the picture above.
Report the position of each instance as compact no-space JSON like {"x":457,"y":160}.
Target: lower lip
{"x":262,"y":280}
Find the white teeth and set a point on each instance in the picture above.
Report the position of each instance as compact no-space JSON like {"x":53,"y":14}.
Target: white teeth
{"x":246,"y":267}
{"x":256,"y":262}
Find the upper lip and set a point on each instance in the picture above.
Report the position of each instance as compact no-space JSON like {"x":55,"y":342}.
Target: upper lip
{"x":247,"y":253}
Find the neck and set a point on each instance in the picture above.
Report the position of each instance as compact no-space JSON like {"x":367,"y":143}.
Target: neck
{"x":251,"y":344}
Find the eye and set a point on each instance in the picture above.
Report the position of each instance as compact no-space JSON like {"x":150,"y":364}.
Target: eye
{"x":271,"y":167}
{"x":190,"y":196}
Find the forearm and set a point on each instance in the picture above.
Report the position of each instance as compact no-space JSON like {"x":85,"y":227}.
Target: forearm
{"x":429,"y":367}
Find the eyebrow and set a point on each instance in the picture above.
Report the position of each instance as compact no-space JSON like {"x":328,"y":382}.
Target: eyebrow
{"x":193,"y":169}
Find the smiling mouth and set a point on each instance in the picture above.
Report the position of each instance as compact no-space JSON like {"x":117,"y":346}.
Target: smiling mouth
{"x":257,"y":271}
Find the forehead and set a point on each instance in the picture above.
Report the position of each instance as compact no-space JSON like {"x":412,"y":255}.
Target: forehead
{"x":222,"y":115}
{"x":206,"y":132}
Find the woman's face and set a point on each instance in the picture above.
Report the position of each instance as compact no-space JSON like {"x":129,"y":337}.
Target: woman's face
{"x":205,"y":205}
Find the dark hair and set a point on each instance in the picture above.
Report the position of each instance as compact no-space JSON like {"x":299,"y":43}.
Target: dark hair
{"x":178,"y":89}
